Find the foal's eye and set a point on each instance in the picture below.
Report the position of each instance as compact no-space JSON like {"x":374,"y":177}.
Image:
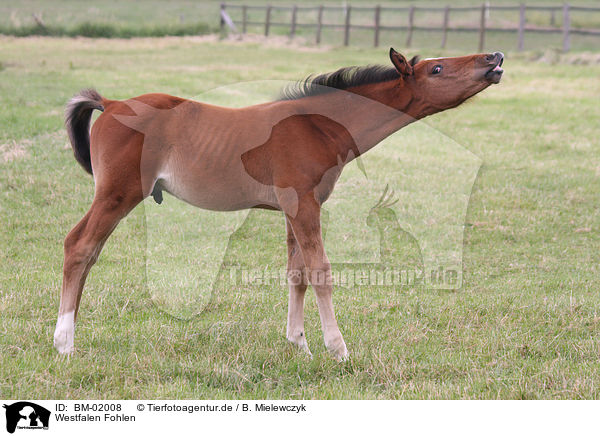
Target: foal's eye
{"x":437,"y":69}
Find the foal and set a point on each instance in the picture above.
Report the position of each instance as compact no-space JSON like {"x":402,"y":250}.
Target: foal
{"x":284,"y":155}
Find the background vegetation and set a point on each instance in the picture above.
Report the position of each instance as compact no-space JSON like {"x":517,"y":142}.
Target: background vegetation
{"x":131,"y":18}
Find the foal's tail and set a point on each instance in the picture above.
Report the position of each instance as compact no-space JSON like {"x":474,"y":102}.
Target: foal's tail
{"x":77,"y":121}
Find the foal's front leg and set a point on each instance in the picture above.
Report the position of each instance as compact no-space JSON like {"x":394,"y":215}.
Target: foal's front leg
{"x":306,"y":227}
{"x":297,"y":282}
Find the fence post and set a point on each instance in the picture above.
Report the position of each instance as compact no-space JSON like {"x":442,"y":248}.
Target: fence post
{"x":268,"y":20}
{"x":377,"y":19}
{"x":566,"y":28}
{"x":445,"y":28}
{"x":244,"y":18}
{"x":293,"y":24}
{"x":347,"y":26}
{"x":411,"y":20}
{"x":521,"y":26}
{"x":222,"y":20}
{"x":482,"y":28}
{"x":319,"y":25}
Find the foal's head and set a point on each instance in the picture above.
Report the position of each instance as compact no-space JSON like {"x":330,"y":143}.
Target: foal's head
{"x":443,"y":83}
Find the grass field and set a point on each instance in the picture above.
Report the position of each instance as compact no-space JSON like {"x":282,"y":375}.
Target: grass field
{"x":131,"y":18}
{"x":525,"y":323}
{"x":126,"y":12}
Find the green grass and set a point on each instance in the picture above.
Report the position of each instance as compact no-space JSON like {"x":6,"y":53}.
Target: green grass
{"x":142,"y":18}
{"x":525,"y":323}
{"x":109,"y":30}
{"x":111,"y":18}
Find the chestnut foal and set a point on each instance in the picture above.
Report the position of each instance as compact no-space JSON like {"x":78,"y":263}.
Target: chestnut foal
{"x":284,"y":155}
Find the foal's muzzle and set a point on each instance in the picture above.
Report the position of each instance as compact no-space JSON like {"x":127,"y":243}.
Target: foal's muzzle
{"x":494,"y":74}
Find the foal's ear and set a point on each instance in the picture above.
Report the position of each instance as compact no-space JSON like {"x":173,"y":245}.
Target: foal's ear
{"x":401,"y":64}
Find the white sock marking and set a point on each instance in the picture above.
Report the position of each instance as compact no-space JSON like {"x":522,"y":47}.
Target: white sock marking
{"x":65,"y":333}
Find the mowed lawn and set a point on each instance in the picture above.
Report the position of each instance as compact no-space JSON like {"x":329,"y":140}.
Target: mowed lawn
{"x":525,"y":324}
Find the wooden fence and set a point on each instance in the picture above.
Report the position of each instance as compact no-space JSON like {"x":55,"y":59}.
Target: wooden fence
{"x":481,"y":27}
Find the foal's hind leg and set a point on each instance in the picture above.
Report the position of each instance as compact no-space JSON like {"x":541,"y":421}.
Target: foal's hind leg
{"x":82,"y":248}
{"x":297,"y":283}
{"x":307,"y":230}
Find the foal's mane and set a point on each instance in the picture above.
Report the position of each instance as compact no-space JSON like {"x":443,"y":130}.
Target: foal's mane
{"x":343,"y":78}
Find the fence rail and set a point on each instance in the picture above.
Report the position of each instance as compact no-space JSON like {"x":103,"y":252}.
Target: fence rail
{"x":520,"y":28}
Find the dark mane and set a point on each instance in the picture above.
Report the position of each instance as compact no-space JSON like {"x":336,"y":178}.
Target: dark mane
{"x":343,"y":78}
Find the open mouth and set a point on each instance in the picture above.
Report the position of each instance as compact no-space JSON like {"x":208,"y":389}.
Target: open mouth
{"x":495,"y":73}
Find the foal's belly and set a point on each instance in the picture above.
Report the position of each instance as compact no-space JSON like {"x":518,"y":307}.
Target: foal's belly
{"x":201,"y":160}
{"x":225,"y":187}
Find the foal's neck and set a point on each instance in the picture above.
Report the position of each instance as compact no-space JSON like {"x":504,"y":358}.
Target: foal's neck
{"x":370,"y":113}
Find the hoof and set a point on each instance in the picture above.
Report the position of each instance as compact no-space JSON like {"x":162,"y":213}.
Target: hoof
{"x":341,"y":355}
{"x":300,"y":342}
{"x":64,"y":334}
{"x":338,"y":349}
{"x":63,"y":343}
